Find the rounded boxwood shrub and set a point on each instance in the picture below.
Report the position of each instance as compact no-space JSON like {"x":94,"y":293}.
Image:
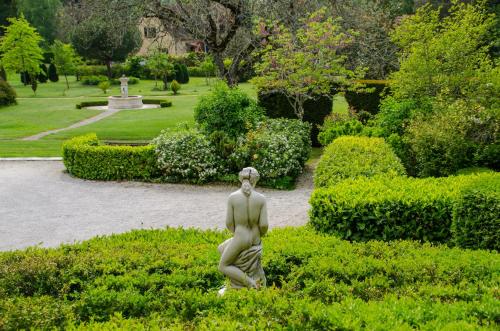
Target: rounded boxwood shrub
{"x":228,"y":110}
{"x":353,"y":157}
{"x":186,"y":156}
{"x":7,"y":94}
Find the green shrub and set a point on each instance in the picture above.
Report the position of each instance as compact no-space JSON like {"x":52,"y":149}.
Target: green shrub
{"x":131,"y":81}
{"x":276,"y":105}
{"x":200,"y":72}
{"x":3,"y":73}
{"x":186,"y":156}
{"x":52,"y":74}
{"x":175,"y":86}
{"x":353,"y":157}
{"x":228,"y":110}
{"x":181,"y":73}
{"x":476,"y":217}
{"x":86,"y":104}
{"x":85,"y":158}
{"x":168,"y":279}
{"x":43,"y":74}
{"x":104,"y":86}
{"x":278,"y":149}
{"x":337,"y":125}
{"x":370,"y":101}
{"x":93,"y":80}
{"x":7,"y":94}
{"x":163,"y":103}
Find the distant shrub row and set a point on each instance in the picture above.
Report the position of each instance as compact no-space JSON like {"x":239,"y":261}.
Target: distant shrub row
{"x":361,"y":195}
{"x":168,"y":279}
{"x":162,"y":103}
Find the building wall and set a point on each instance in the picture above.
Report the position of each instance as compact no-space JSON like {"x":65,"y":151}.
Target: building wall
{"x":153,"y":37}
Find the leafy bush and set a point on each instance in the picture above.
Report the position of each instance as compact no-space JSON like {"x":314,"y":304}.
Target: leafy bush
{"x":93,"y":80}
{"x":162,"y":103}
{"x":86,"y":104}
{"x":3,"y":73}
{"x":368,"y":101}
{"x":278,"y":149}
{"x":104,"y":86}
{"x":201,"y":72}
{"x":353,"y":157}
{"x":85,"y":158}
{"x":276,"y":105}
{"x":228,"y":110}
{"x":175,"y":86}
{"x":168,"y":279}
{"x":186,"y":156}
{"x":476,"y":217}
{"x":52,"y":74}
{"x":181,"y":73}
{"x":7,"y":94}
{"x":337,"y":125}
{"x":42,"y":76}
{"x":131,"y":81}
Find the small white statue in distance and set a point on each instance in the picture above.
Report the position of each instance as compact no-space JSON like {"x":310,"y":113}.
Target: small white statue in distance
{"x":124,"y":86}
{"x":247,"y":220}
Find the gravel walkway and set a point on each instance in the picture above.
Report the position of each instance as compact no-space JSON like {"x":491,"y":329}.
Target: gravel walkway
{"x":40,"y":204}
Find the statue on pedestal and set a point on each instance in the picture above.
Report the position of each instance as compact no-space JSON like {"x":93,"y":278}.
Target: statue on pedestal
{"x":247,"y":220}
{"x":124,"y":86}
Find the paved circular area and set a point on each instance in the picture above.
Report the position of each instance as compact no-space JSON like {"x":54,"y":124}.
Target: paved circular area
{"x":40,"y":204}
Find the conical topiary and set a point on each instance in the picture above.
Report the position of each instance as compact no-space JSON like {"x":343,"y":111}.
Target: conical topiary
{"x":53,"y":76}
{"x":42,"y":75}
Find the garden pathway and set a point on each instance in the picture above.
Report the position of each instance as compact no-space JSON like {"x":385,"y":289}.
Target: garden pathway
{"x":87,"y":121}
{"x":41,"y":204}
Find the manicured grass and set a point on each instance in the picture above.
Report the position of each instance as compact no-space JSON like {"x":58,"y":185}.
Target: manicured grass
{"x":40,"y":148}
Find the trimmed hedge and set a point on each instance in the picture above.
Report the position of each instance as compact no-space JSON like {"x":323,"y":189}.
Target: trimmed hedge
{"x":162,"y":103}
{"x":168,"y":279}
{"x":85,"y":158}
{"x":367,"y":101}
{"x":276,"y":105}
{"x":353,"y":157}
{"x":199,"y":72}
{"x":476,"y":217}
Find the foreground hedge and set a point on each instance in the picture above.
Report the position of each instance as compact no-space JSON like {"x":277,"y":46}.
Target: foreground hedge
{"x":408,"y":208}
{"x":353,"y":157}
{"x":169,"y":279}
{"x":85,"y":158}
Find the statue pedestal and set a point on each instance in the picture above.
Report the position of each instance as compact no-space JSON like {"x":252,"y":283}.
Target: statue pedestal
{"x":130,"y":102}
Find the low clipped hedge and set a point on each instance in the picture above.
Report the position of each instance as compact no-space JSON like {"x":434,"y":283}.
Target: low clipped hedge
{"x":476,"y":217}
{"x":352,"y":157}
{"x":168,"y":279}
{"x":162,"y":103}
{"x":85,"y":158}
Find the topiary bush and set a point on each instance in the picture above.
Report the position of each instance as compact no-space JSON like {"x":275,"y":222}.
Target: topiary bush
{"x":85,"y":158}
{"x":476,"y":216}
{"x":367,"y":99}
{"x":353,"y":157}
{"x":186,"y":156}
{"x":276,"y":105}
{"x":175,"y":86}
{"x":52,"y":74}
{"x":228,"y":110}
{"x":43,"y":74}
{"x":7,"y":94}
{"x":337,"y":125}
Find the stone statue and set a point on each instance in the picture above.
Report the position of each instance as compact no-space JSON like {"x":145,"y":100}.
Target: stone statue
{"x":124,"y":86}
{"x":247,"y":220}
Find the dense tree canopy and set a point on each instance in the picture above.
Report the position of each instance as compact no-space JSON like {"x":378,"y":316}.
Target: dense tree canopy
{"x":42,"y":14}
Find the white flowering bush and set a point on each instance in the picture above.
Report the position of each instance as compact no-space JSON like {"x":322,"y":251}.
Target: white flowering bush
{"x":186,"y":156}
{"x":278,"y":149}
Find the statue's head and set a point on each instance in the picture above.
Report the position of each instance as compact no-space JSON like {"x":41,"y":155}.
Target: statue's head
{"x":248,"y":178}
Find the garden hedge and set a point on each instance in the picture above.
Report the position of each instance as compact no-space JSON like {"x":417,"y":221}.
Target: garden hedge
{"x":476,"y":217}
{"x":367,"y":101}
{"x":353,"y":157}
{"x":168,"y":279}
{"x":277,"y":105}
{"x":85,"y":158}
{"x":162,"y":103}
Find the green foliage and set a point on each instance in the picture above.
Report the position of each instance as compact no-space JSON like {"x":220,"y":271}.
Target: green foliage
{"x":181,"y":73}
{"x":85,"y":158}
{"x":352,"y":157}
{"x":304,"y":63}
{"x":227,"y":109}
{"x":278,"y":149}
{"x":168,"y":279}
{"x":134,"y":66}
{"x":476,"y":217}
{"x":160,"y":66}
{"x":276,"y":105}
{"x":42,"y":14}
{"x":104,"y":86}
{"x":367,"y":99}
{"x":131,"y":81}
{"x":65,"y":60}
{"x":163,"y":103}
{"x":175,"y":86}
{"x":93,"y":80}
{"x":7,"y":94}
{"x":337,"y":125}
{"x":20,"y":47}
{"x":42,"y":75}
{"x":186,"y":156}
{"x":3,"y":73}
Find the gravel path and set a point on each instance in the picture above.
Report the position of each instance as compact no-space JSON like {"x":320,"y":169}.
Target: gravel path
{"x":40,"y":204}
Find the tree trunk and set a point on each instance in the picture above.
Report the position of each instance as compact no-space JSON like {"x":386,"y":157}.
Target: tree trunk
{"x":67,"y":83}
{"x":108,"y":66}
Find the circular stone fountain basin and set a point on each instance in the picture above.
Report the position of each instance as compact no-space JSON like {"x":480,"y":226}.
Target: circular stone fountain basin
{"x":130,"y":102}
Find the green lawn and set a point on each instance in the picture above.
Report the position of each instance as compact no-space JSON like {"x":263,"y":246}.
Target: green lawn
{"x":52,"y":108}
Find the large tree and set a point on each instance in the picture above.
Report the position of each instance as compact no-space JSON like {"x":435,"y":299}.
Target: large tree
{"x":104,"y":30}
{"x":20,"y":48}
{"x":65,"y":58}
{"x":43,"y":15}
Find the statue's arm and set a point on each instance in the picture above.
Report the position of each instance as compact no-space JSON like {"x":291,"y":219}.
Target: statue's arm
{"x":263,"y":223}
{"x":230,"y":216}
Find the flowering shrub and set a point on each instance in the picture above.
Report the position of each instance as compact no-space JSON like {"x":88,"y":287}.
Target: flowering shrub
{"x":186,"y":156}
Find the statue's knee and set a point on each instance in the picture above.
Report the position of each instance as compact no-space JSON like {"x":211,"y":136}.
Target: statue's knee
{"x":222,"y":267}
